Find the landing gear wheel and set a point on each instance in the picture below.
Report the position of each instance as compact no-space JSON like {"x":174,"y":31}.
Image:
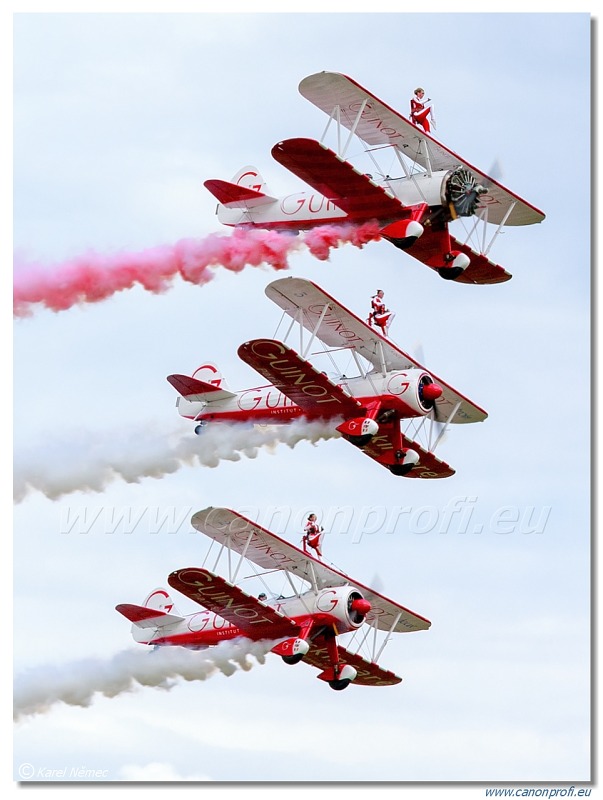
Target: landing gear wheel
{"x":200,"y":428}
{"x":450,"y":273}
{"x":339,"y":686}
{"x":360,"y":441}
{"x":293,"y":659}
{"x":400,"y":469}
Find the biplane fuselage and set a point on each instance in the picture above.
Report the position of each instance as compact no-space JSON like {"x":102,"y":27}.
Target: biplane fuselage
{"x":306,"y":210}
{"x":326,"y":607}
{"x":398,"y":391}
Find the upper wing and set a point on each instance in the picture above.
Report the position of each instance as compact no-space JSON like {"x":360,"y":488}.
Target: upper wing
{"x":310,"y":389}
{"x":264,"y":548}
{"x":378,"y":124}
{"x":352,"y":191}
{"x":256,"y":619}
{"x":269,"y":551}
{"x":369,"y":673}
{"x":306,"y":302}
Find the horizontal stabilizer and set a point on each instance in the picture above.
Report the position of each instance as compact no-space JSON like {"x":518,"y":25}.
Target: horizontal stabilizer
{"x":144,"y":617}
{"x":194,"y":390}
{"x":231,"y":195}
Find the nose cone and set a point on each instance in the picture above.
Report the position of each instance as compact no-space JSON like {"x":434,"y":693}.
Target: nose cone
{"x":361,"y":606}
{"x":432,"y":391}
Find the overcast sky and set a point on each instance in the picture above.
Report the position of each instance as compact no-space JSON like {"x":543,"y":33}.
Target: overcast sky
{"x":118,"y":120}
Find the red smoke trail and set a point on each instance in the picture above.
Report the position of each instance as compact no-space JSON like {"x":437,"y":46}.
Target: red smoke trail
{"x":92,"y":277}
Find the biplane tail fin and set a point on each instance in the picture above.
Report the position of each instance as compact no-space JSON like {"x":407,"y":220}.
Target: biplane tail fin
{"x":247,"y":189}
{"x":157,"y":611}
{"x":206,"y":384}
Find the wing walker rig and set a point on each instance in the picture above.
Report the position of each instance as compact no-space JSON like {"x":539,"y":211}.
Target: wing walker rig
{"x":322,"y":605}
{"x":414,"y":211}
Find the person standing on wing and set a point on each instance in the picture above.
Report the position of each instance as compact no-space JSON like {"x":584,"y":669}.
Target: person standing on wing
{"x":421,"y":109}
{"x":380,"y":315}
{"x":312,"y":535}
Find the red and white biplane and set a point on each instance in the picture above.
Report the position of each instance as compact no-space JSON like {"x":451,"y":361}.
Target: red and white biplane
{"x":414,"y":209}
{"x":366,"y":409}
{"x":304,"y":626}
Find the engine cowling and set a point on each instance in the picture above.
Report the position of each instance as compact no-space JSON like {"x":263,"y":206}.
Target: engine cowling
{"x":345,"y":604}
{"x":415,"y":389}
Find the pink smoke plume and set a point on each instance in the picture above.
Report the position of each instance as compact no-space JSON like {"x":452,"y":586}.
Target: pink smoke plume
{"x":93,"y":277}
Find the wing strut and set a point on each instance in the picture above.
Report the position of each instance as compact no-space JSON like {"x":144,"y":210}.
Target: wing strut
{"x":336,"y":115}
{"x":297,"y":592}
{"x":445,"y":428}
{"x":354,"y":126}
{"x":388,"y":636}
{"x":243,"y":553}
{"x":382,"y":358}
{"x":487,"y":248}
{"x":315,"y":331}
{"x":410,"y":175}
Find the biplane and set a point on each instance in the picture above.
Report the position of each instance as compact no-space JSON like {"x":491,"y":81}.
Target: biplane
{"x":323,"y":604}
{"x":367,"y":409}
{"x":434,"y":186}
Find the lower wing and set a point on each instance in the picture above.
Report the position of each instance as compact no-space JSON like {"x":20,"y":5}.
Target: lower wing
{"x":481,"y":270}
{"x":389,"y":447}
{"x":369,"y":673}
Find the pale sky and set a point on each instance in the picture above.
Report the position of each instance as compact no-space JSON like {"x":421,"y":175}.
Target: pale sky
{"x":118,"y":120}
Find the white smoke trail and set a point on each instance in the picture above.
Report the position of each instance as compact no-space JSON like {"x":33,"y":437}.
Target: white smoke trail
{"x":76,"y":683}
{"x":89,"y":461}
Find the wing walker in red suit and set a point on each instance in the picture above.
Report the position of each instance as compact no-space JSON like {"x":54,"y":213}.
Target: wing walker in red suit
{"x":421,"y":110}
{"x":313,"y":535}
{"x":380,"y":315}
